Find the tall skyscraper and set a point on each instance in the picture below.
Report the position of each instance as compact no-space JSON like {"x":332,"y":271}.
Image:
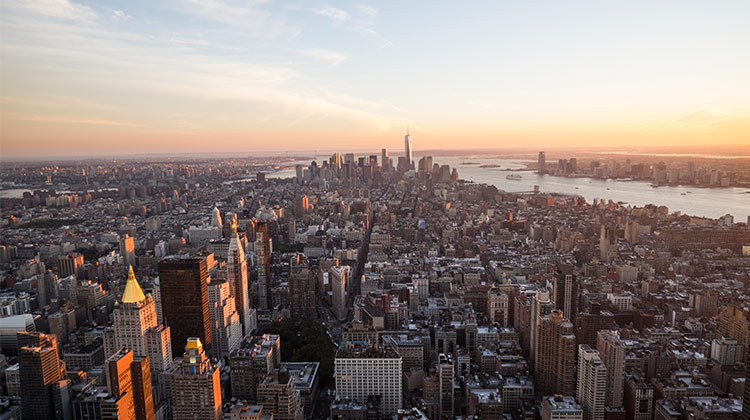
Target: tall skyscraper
{"x":216,"y":218}
{"x":612,"y":352}
{"x":226,"y":329}
{"x":127,"y":250}
{"x":135,"y":327}
{"x":237,"y":279}
{"x":263,"y":268}
{"x":592,"y":383}
{"x":184,"y":300}
{"x":638,"y":398}
{"x":407,"y":151}
{"x":120,"y":385}
{"x":384,"y":160}
{"x":542,"y":164}
{"x":301,"y":288}
{"x":541,"y":306}
{"x":196,"y":386}
{"x":44,"y":389}
{"x":361,"y":372}
{"x":566,"y":291}
{"x":142,"y":388}
{"x":555,"y":356}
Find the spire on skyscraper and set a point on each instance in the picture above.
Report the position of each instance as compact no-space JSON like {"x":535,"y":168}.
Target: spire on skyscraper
{"x":133,"y":292}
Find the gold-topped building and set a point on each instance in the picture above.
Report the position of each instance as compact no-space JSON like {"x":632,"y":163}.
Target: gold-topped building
{"x":196,"y":387}
{"x":136,"y":328}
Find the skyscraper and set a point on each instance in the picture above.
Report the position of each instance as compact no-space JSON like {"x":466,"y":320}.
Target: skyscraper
{"x":68,"y":265}
{"x":196,"y":387}
{"x":237,"y":279}
{"x":135,"y":327}
{"x":612,"y":352}
{"x":120,"y":385}
{"x":407,"y":150}
{"x":44,"y":391}
{"x":590,"y":323}
{"x":263,"y":254}
{"x":566,"y":291}
{"x":384,"y":160}
{"x":301,"y":288}
{"x":142,"y":388}
{"x":542,"y":164}
{"x":184,"y":300}
{"x":555,"y":356}
{"x":592,"y":383}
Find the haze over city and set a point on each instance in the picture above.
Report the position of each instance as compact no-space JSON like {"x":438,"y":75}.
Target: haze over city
{"x":102,"y":78}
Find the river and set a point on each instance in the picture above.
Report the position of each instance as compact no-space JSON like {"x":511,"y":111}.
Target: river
{"x":694,"y":201}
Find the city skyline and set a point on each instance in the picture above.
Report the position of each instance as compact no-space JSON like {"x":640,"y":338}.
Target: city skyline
{"x":106,"y":78}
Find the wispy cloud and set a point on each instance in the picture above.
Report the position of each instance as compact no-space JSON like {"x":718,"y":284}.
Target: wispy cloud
{"x":333,"y":13}
{"x":67,"y":120}
{"x":332,"y":58}
{"x":53,"y":8}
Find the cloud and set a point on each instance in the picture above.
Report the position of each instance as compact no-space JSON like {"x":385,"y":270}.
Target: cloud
{"x":368,"y":11}
{"x":53,"y":8}
{"x":121,"y":15}
{"x":67,"y":120}
{"x":333,"y":58}
{"x":333,"y":13}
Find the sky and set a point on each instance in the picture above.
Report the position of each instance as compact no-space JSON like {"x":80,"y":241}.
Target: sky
{"x":191,"y":76}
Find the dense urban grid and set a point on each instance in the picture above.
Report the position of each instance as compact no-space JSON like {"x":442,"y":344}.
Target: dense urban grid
{"x":363,"y":287}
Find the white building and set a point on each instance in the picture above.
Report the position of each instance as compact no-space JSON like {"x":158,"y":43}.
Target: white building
{"x":339,"y":278}
{"x":136,"y":328}
{"x":592,"y":383}
{"x":226,"y":330}
{"x":363,"y":371}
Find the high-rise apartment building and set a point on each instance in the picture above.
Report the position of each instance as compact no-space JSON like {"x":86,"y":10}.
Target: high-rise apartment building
{"x":226,"y":329}
{"x":541,"y":306}
{"x":555,"y":356}
{"x":612,"y":352}
{"x":136,"y":327}
{"x":301,"y":288}
{"x":184,"y":300}
{"x":196,"y":387}
{"x":361,"y":372}
{"x":591,"y":384}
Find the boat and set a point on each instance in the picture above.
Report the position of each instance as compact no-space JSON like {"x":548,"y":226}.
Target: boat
{"x":514,"y":177}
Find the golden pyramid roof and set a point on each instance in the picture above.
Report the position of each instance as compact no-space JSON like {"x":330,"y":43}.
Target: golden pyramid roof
{"x":133,"y":292}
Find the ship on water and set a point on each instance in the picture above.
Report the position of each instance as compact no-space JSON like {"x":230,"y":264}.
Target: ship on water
{"x":514,"y":177}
